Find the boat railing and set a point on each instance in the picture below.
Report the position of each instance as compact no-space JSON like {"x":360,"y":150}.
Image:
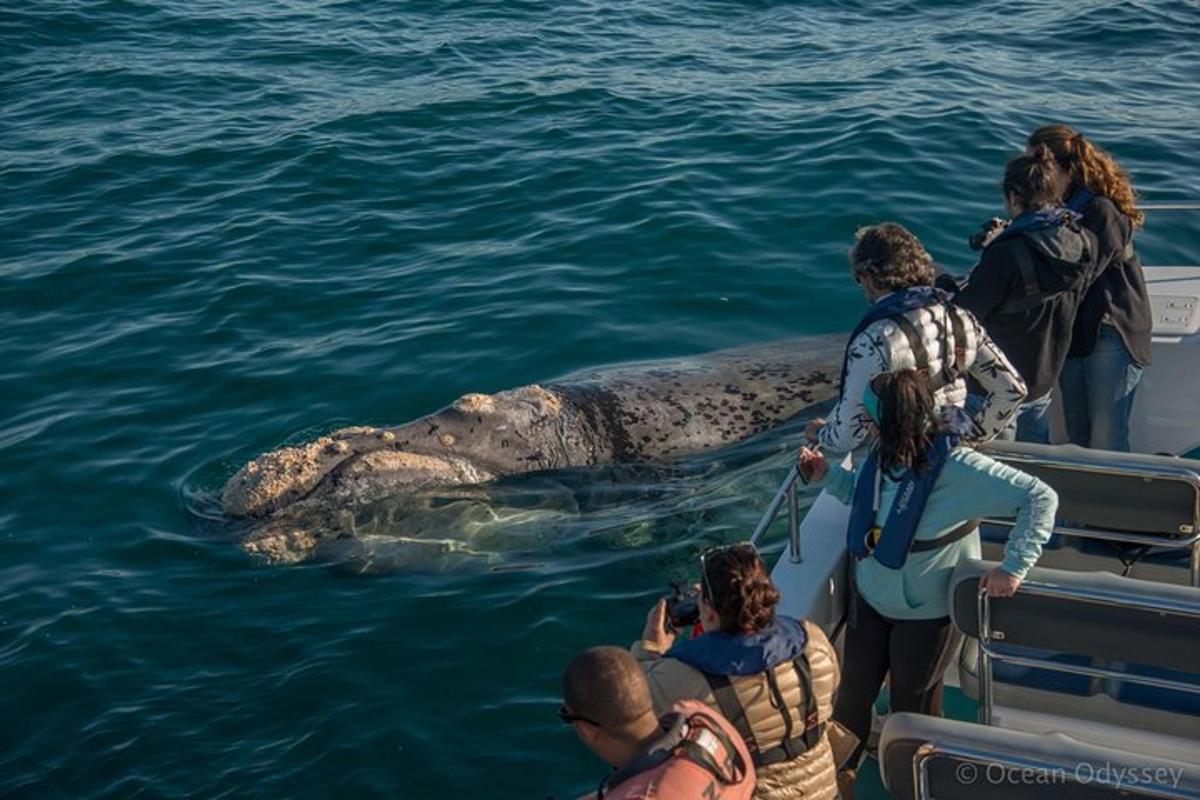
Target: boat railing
{"x":989,"y":655}
{"x":1050,"y":460}
{"x":787,"y":492}
{"x":1185,"y":206}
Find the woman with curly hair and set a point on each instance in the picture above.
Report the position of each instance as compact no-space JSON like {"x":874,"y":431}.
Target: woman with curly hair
{"x":910,"y":324}
{"x":1110,"y":344}
{"x":772,"y":676}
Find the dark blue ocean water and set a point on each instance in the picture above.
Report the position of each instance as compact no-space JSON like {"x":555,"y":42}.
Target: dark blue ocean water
{"x":228,"y":225}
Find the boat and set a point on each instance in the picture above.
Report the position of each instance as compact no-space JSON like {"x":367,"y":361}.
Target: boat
{"x":1087,"y":682}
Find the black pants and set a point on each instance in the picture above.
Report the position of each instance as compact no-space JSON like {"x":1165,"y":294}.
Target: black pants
{"x":916,"y":652}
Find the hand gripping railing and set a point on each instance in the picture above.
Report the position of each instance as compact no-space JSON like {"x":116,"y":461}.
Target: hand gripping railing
{"x":787,"y":491}
{"x":988,"y":655}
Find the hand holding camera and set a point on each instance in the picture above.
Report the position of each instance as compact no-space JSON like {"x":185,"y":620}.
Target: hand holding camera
{"x":987,"y":232}
{"x":683,"y":606}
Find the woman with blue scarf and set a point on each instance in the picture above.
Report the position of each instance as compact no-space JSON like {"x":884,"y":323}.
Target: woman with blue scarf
{"x":772,"y":676}
{"x":915,"y":503}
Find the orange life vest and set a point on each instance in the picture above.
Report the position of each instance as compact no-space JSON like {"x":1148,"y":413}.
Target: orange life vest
{"x":699,"y":755}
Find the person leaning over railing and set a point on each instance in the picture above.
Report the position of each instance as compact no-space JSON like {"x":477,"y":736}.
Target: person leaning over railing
{"x":1030,"y":281}
{"x":772,"y":676}
{"x":912,"y":325}
{"x":915,"y":503}
{"x":1111,"y":342}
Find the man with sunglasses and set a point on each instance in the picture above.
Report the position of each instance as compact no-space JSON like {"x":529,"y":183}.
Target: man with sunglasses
{"x":690,"y":752}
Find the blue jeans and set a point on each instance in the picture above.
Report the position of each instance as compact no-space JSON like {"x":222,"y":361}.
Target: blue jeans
{"x":1032,"y":422}
{"x":1097,"y":393}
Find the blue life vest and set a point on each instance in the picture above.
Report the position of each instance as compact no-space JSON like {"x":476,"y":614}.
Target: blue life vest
{"x":1039,"y":220}
{"x":894,"y":305}
{"x":1079,"y":199}
{"x":895,"y":541}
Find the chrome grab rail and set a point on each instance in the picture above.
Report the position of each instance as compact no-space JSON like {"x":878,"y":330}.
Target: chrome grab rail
{"x":1169,"y":206}
{"x":787,"y":491}
{"x":987,"y":654}
{"x":1014,"y":765}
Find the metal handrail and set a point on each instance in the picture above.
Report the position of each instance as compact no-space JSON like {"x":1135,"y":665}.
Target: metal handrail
{"x":1169,"y":206}
{"x":1097,"y":597}
{"x":787,"y":491}
{"x":1083,"y":461}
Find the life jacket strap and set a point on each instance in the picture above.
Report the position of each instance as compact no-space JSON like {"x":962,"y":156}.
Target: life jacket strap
{"x":1033,"y":295}
{"x":954,"y":354}
{"x":792,"y":746}
{"x":961,"y":532}
{"x":681,"y":739}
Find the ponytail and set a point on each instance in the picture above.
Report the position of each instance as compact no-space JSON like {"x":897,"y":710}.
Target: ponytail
{"x":1035,"y":179}
{"x":1090,"y":166}
{"x":907,"y":419}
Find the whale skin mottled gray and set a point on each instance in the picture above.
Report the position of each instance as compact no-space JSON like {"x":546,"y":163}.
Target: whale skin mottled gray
{"x":296,"y":497}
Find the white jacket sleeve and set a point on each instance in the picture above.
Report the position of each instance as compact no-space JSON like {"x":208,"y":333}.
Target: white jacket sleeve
{"x":849,"y":425}
{"x":1004,"y":389}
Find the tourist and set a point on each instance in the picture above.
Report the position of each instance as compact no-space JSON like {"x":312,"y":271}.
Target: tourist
{"x":1030,"y":281}
{"x":1111,"y":342}
{"x":912,"y":325}
{"x":688,"y":752}
{"x":772,"y":676}
{"x":904,"y":553}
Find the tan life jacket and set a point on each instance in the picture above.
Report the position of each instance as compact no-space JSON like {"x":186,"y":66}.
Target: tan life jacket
{"x":775,"y":711}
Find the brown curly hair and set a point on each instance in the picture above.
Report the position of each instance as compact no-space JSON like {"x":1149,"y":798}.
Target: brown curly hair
{"x":891,"y":256}
{"x":738,"y":586}
{"x":1090,"y":166}
{"x":1035,"y":179}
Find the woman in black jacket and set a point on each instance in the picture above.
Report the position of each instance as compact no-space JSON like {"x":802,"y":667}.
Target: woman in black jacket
{"x":1111,"y":339}
{"x":1029,"y":282}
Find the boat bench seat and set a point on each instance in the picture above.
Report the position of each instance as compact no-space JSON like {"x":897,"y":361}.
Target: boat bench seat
{"x":1110,"y":491}
{"x":1108,"y":621}
{"x":1114,"y":509}
{"x":977,"y":762}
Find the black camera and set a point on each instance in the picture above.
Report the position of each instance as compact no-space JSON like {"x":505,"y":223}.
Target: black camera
{"x":987,"y":231}
{"x":683,"y":605}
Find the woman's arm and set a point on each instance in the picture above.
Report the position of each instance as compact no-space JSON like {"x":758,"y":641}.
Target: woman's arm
{"x":848,"y":425}
{"x":986,"y":286}
{"x":1113,"y":231}
{"x":988,"y":488}
{"x":1004,"y":389}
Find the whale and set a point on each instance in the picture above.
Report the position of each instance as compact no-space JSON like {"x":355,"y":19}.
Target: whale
{"x":294,"y":499}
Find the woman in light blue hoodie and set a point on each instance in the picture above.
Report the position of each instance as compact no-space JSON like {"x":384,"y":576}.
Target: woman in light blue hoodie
{"x":915,"y":503}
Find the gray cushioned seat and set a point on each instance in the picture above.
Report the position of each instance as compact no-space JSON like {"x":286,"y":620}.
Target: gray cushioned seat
{"x":1058,"y":767}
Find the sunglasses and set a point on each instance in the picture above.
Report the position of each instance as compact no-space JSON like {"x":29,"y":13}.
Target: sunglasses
{"x":705,"y":588}
{"x":566,"y":716}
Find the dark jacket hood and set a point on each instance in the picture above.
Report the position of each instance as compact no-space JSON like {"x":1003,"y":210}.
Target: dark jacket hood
{"x":1056,"y":239}
{"x":1065,"y":243}
{"x":749,"y":654}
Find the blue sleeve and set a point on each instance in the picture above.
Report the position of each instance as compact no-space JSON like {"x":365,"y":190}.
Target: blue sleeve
{"x":988,"y":488}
